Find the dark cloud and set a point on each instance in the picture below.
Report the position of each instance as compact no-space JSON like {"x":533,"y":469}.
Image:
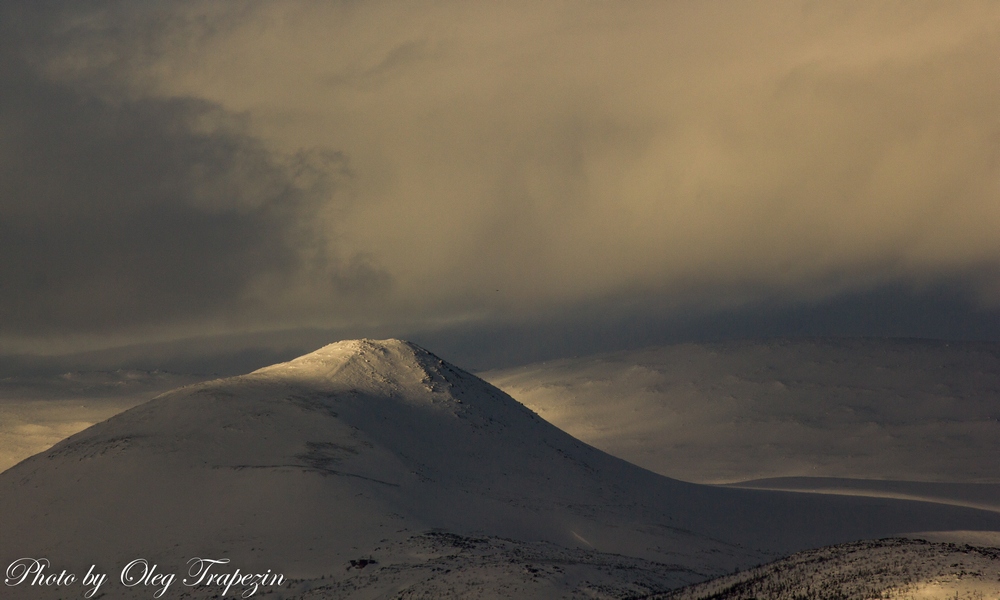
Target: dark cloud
{"x":560,"y":175}
{"x":120,"y":215}
{"x":134,"y":214}
{"x":942,"y":311}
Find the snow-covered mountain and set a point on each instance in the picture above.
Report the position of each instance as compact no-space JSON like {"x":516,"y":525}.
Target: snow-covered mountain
{"x":369,"y":468}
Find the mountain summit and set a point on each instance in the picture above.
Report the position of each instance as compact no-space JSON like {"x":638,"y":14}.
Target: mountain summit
{"x":366,"y":364}
{"x":380,"y":453}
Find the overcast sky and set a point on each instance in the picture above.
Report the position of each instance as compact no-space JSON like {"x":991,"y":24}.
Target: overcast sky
{"x":583,"y":174}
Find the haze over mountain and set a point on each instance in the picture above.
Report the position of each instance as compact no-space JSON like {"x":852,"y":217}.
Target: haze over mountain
{"x":361,"y":450}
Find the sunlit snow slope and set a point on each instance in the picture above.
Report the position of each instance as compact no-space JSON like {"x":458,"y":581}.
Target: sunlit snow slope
{"x":361,"y":450}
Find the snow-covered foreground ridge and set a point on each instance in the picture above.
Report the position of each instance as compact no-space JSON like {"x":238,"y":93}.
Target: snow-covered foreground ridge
{"x":374,"y":468}
{"x":892,"y":569}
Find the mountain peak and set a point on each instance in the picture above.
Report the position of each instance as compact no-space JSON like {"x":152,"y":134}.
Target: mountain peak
{"x":364,"y":364}
{"x":358,"y":451}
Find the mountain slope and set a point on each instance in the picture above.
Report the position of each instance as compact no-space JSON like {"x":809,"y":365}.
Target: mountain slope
{"x":364,"y":446}
{"x":41,"y":410}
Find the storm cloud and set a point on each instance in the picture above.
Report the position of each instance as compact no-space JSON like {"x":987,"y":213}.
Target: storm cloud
{"x":138,"y":214}
{"x":187,"y":167}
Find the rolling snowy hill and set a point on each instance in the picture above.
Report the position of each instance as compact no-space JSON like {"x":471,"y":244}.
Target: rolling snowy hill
{"x":916,"y":410}
{"x":375,"y":469}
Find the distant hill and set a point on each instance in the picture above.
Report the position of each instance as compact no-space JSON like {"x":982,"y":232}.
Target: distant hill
{"x":916,"y":410}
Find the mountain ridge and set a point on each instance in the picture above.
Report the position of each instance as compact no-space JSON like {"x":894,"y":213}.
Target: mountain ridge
{"x":364,"y":446}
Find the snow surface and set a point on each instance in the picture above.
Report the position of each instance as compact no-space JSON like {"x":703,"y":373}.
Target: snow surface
{"x":362,"y":450}
{"x":907,"y":410}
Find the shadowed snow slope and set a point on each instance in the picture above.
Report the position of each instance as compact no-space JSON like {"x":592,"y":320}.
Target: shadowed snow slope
{"x":305,"y":466}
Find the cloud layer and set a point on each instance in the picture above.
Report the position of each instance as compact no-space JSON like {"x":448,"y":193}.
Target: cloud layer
{"x":181,"y":167}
